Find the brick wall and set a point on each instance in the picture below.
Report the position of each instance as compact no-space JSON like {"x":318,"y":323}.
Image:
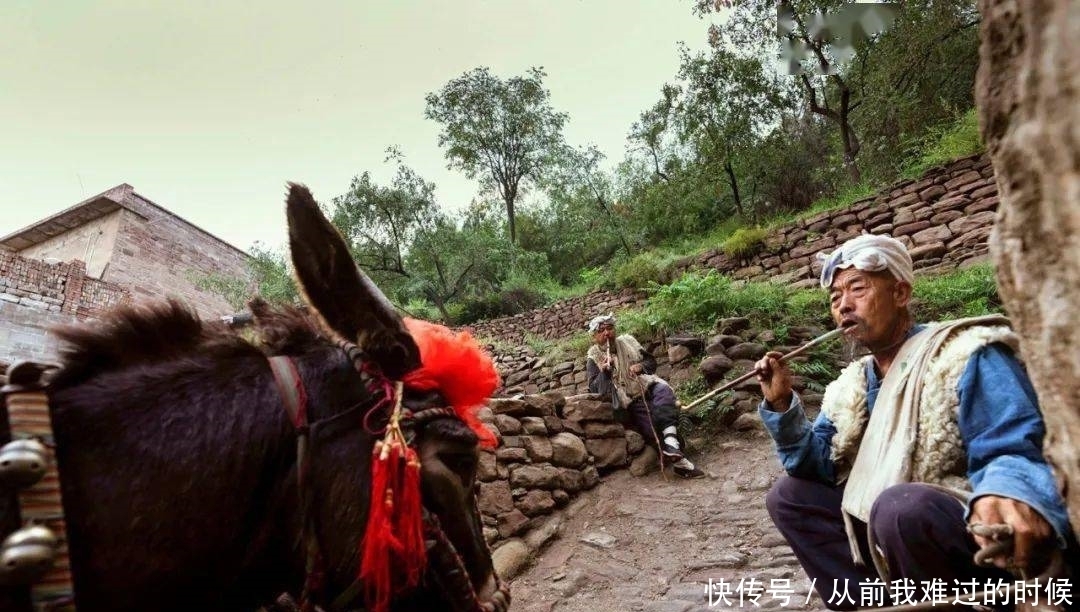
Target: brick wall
{"x":35,"y":295}
{"x":159,"y":254}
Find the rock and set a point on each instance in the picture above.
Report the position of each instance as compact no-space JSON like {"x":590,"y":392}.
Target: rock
{"x":693,"y":343}
{"x":539,"y":537}
{"x":533,"y":426}
{"x":540,"y":405}
{"x":508,"y":406}
{"x":747,"y":421}
{"x":535,"y":477}
{"x":494,"y":498}
{"x":512,"y":454}
{"x":732,"y":325}
{"x":568,"y":450}
{"x":538,"y":447}
{"x":535,"y":503}
{"x":510,"y":558}
{"x":508,"y":425}
{"x":609,"y":452}
{"x":634,"y":442}
{"x":485,"y":468}
{"x":604,"y":430}
{"x":553,"y":424}
{"x":570,"y":480}
{"x":679,"y":353}
{"x":599,"y":539}
{"x":747,"y":350}
{"x":588,"y":410}
{"x":714,"y":367}
{"x":512,"y":523}
{"x":645,"y":463}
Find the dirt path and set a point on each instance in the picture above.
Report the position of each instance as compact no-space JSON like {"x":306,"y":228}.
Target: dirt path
{"x":653,"y":545}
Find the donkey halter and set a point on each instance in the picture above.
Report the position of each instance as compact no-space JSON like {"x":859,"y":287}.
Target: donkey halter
{"x":450,"y":573}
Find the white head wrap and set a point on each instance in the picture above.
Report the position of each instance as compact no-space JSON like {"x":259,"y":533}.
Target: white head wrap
{"x":596,"y":322}
{"x":870,"y":253}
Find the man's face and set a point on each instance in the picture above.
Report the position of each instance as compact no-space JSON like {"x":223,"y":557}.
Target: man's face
{"x":868,"y":305}
{"x":604,"y":333}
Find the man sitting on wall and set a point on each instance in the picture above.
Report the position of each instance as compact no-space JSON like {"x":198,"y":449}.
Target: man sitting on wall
{"x":622,"y":369}
{"x":937,"y":428}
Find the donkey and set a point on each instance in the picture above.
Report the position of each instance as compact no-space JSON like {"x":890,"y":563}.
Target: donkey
{"x":178,"y":460}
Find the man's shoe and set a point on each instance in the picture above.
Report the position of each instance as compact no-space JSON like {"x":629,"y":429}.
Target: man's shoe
{"x":689,"y":473}
{"x":670,"y":451}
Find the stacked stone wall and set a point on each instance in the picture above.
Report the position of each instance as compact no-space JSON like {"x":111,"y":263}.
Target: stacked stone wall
{"x":944,"y":217}
{"x":550,"y":448}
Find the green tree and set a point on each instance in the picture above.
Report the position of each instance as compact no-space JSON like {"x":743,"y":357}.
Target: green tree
{"x":268,"y":276}
{"x":882,"y":84}
{"x":403,"y":239}
{"x":728,"y":101}
{"x":500,"y":131}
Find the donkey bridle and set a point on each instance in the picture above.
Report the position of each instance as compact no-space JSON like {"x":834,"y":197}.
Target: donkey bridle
{"x":449,"y":572}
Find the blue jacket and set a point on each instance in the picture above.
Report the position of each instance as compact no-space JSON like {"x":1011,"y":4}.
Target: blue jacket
{"x":999,"y":422}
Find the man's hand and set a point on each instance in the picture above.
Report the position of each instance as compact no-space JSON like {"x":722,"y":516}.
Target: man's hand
{"x":607,"y":365}
{"x":1030,"y":529}
{"x":775,"y":379}
{"x":637,"y":368}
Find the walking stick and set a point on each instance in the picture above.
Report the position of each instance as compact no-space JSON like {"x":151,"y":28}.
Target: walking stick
{"x":816,"y":341}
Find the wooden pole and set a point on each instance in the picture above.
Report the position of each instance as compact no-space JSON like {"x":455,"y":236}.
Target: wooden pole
{"x":816,"y":341}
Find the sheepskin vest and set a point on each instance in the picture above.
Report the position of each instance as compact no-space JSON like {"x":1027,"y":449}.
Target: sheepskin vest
{"x":913,"y":434}
{"x":938,"y":456}
{"x":628,"y":351}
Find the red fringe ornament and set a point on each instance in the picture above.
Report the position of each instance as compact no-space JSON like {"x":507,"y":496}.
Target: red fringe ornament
{"x":456,"y":366}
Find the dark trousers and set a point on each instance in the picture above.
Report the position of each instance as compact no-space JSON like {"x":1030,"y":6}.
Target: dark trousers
{"x":651,"y":421}
{"x":921,"y":532}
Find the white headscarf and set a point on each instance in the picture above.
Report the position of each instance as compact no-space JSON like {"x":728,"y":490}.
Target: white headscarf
{"x":869,"y":253}
{"x":596,"y":322}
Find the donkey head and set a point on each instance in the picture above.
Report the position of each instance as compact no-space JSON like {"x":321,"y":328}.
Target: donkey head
{"x":352,"y":307}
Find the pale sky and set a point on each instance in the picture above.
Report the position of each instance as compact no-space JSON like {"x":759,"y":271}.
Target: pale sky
{"x":208,"y":108}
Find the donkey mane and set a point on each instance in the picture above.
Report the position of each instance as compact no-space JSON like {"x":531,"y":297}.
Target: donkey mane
{"x":150,"y":333}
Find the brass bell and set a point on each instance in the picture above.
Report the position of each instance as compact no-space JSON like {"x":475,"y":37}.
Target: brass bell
{"x":27,"y":554}
{"x":23,"y":462}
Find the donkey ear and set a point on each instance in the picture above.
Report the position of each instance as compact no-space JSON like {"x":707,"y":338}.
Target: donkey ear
{"x":340,"y":293}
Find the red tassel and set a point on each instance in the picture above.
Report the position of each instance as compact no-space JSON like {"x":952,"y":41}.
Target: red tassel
{"x":379,"y":544}
{"x":393,"y":546}
{"x":410,"y":521}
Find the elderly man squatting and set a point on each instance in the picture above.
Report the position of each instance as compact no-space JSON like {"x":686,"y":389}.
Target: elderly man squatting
{"x":935,"y":428}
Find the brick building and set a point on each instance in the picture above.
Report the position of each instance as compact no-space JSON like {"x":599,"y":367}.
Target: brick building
{"x":112,"y":247}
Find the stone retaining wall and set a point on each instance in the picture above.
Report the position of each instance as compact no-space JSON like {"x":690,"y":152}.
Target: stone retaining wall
{"x":550,"y":448}
{"x":944,"y":217}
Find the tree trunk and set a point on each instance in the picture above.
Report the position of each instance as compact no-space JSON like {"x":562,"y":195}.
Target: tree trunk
{"x":734,"y":187}
{"x":510,"y":219}
{"x":1028,"y":93}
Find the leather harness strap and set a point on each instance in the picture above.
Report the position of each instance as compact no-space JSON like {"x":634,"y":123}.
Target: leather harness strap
{"x":294,"y":397}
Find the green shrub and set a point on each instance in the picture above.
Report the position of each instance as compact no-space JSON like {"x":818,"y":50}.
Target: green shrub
{"x":964,"y":293}
{"x":945,"y":143}
{"x":639,"y":272}
{"x":746,"y":241}
{"x":696,"y":300}
{"x":504,"y":303}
